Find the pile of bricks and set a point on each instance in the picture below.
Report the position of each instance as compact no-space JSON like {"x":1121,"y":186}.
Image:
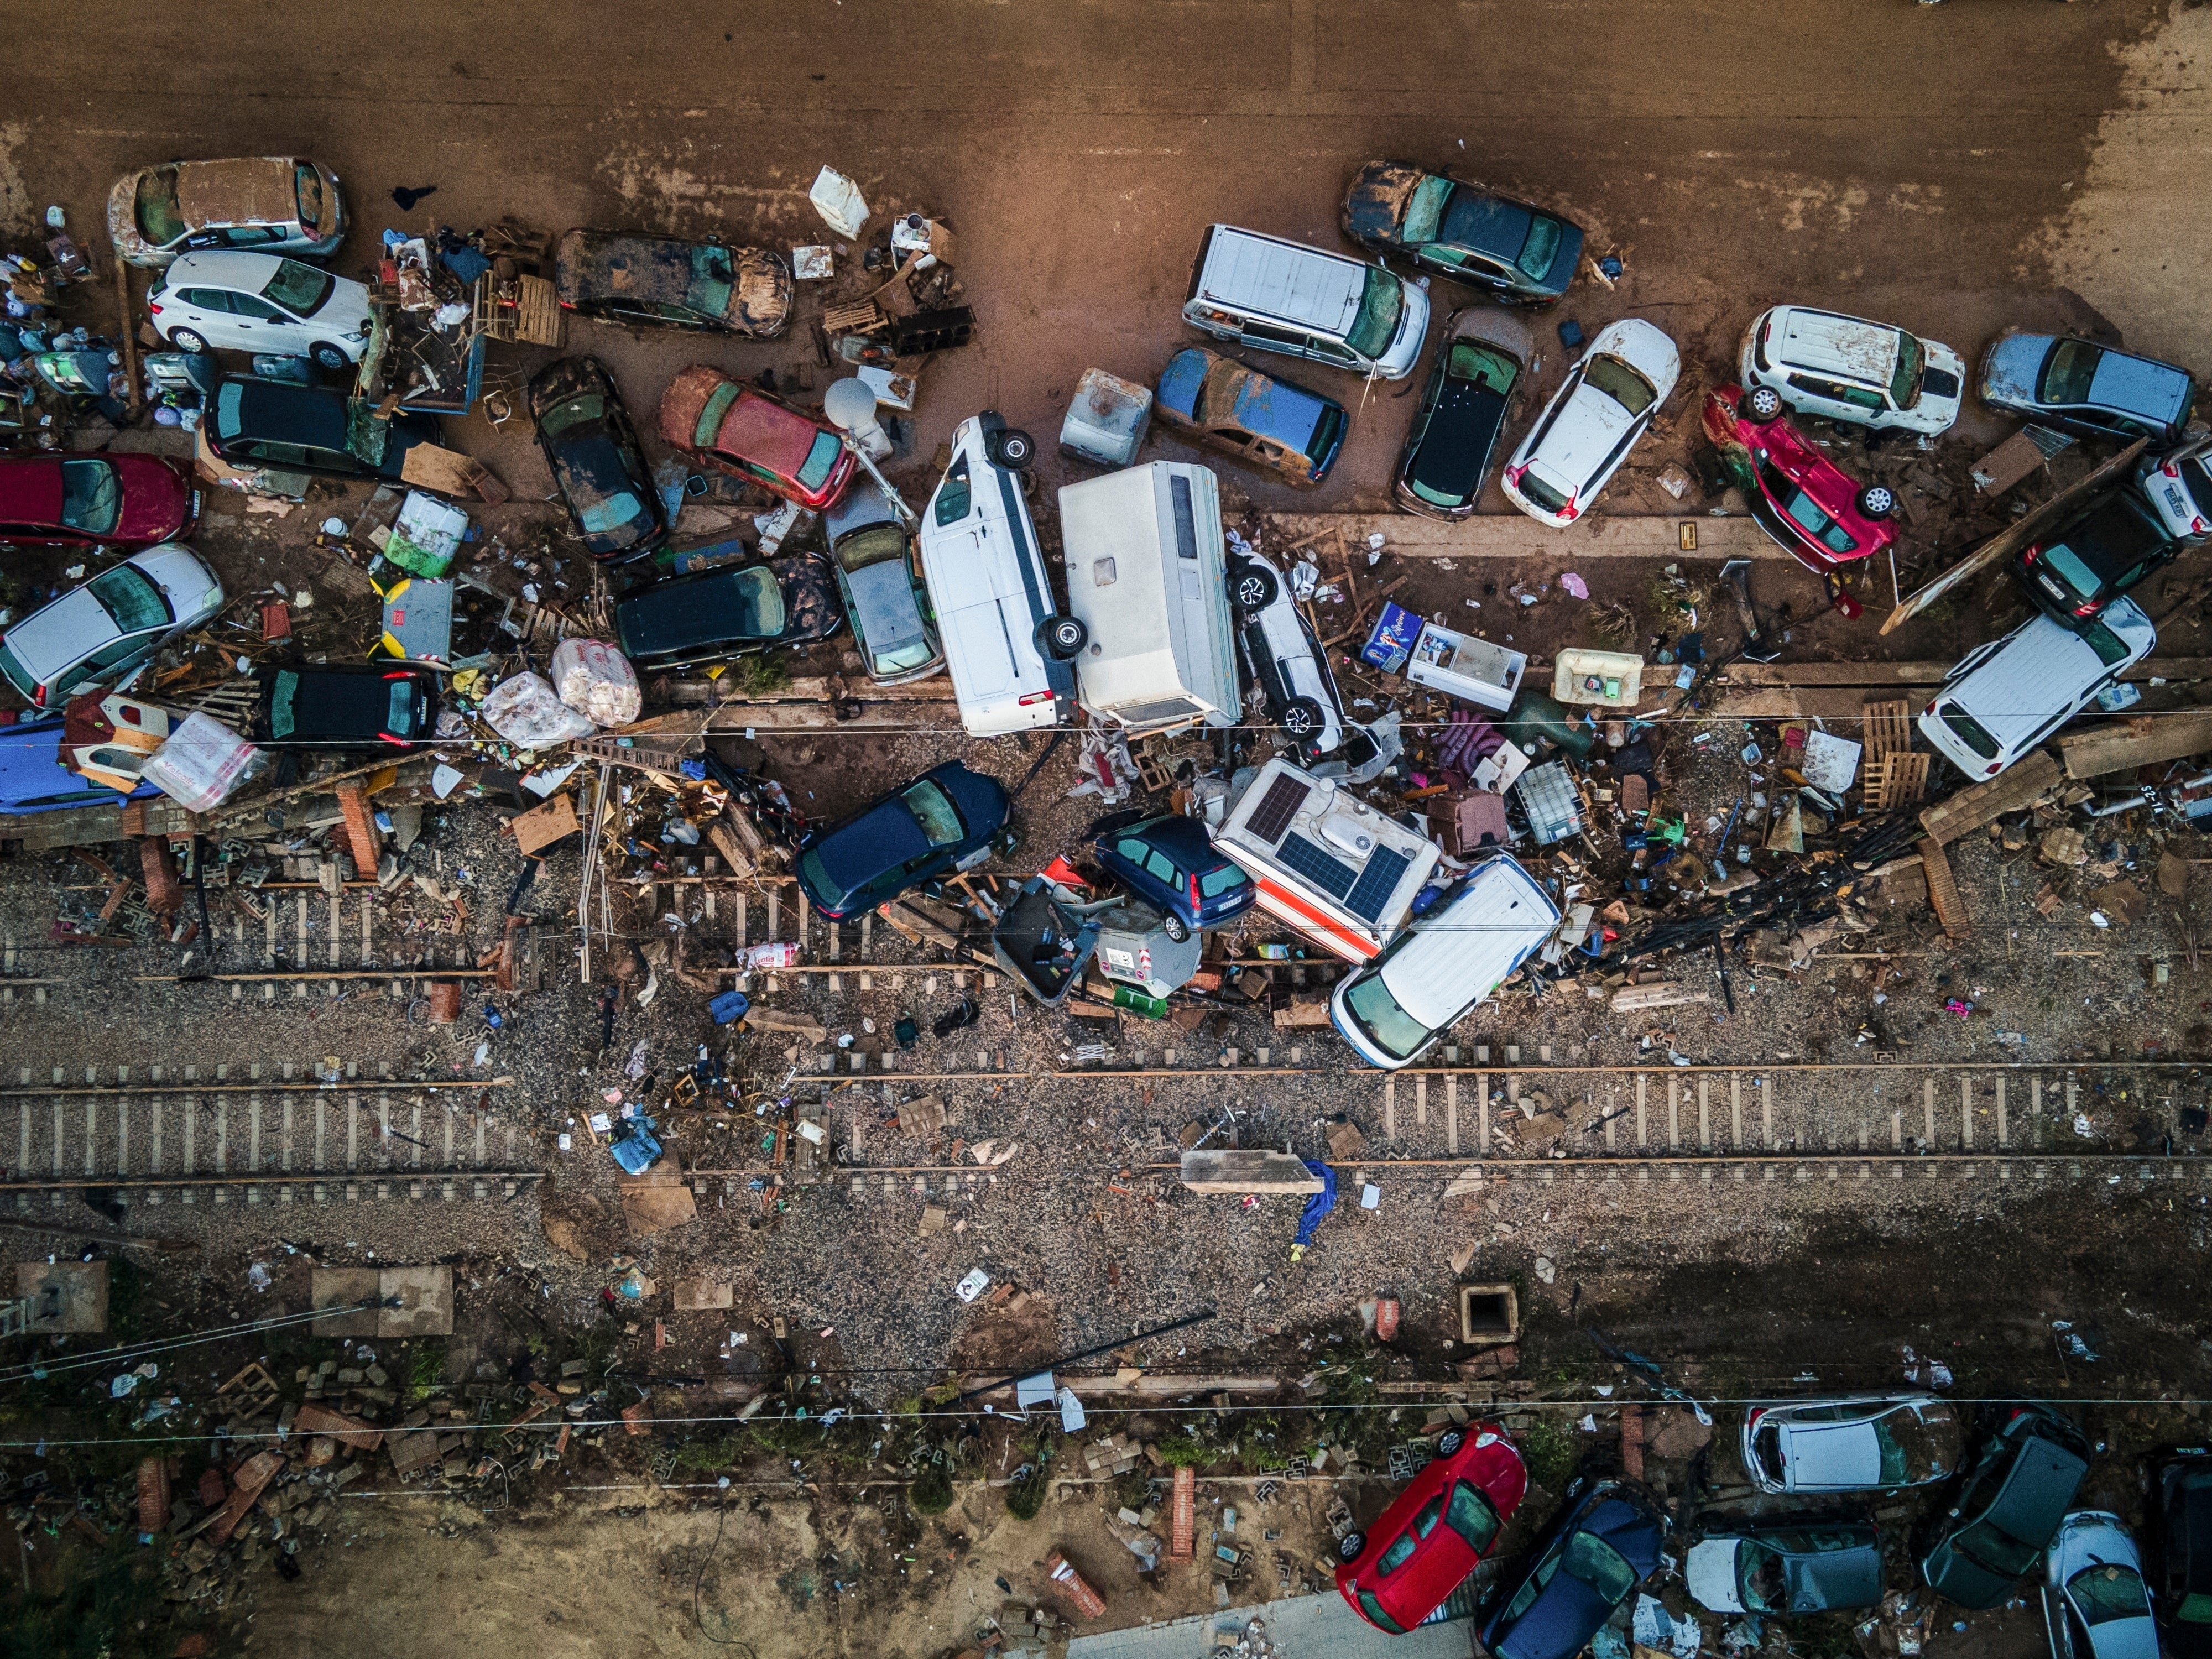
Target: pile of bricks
{"x":1024,"y":1632}
{"x":1117,"y":1454}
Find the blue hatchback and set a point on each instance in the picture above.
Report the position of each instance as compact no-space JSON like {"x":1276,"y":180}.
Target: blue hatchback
{"x":1169,"y":862}
{"x":945,"y":817}
{"x":1597,"y":1553}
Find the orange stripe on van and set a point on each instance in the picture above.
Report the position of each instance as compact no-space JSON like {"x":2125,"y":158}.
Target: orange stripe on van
{"x":1317,"y":923}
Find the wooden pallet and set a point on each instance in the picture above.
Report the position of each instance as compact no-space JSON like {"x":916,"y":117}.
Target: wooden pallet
{"x":1943,"y":892}
{"x":1887,"y":730}
{"x":1898,"y":779}
{"x":865,"y":318}
{"x":538,"y":319}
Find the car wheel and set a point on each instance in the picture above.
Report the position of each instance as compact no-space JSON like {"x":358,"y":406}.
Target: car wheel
{"x":1351,"y":1544}
{"x":1013,"y":450}
{"x":1302,"y":718}
{"x":1762,"y":403}
{"x":1877,"y":501}
{"x":1450,"y":1442}
{"x":1063,"y":637}
{"x":1175,"y":927}
{"x":1254,"y":588}
{"x":184,"y":340}
{"x":327,"y":356}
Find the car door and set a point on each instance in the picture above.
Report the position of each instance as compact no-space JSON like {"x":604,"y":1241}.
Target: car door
{"x":206,"y":311}
{"x":262,"y":326}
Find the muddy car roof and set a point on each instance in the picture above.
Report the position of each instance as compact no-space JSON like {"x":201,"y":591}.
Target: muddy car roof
{"x":254,"y":190}
{"x":652,"y":268}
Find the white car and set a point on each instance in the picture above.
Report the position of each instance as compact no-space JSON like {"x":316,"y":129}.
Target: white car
{"x":2010,"y":695}
{"x":2094,"y":1602}
{"x":2180,"y":493}
{"x":1853,"y":1443}
{"x":1846,"y":369}
{"x":1283,"y":656}
{"x":1609,"y":401}
{"x":260,"y":302}
{"x":99,"y":632}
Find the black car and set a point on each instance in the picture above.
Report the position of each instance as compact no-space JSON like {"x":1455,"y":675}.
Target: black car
{"x":594,"y":453}
{"x":1472,"y":392}
{"x":2093,"y":557}
{"x":309,"y":429}
{"x":728,"y":613}
{"x":1518,"y":252}
{"x":626,"y":276}
{"x":2017,"y":1491}
{"x":945,"y":817}
{"x":1597,"y":1553}
{"x":317,"y":706}
{"x":2181,"y":1577}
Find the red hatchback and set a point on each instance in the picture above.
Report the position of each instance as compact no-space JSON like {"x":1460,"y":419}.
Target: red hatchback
{"x":1424,"y":1545}
{"x":128,"y":502}
{"x":1799,"y":496}
{"x":720,"y":423}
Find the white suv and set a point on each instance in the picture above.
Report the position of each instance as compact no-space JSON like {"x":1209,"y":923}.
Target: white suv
{"x":2009,"y":695}
{"x":1608,"y":400}
{"x":1845,"y":368}
{"x":260,"y":302}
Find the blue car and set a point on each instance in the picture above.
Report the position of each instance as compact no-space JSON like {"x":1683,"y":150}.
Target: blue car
{"x":2086,"y":388}
{"x":1597,"y":1552}
{"x":1168,"y":862}
{"x":1212,"y":399}
{"x":944,"y":818}
{"x":33,"y":779}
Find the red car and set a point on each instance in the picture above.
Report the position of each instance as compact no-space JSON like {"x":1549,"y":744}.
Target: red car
{"x":128,"y":502}
{"x":720,"y":423}
{"x":1417,"y":1553}
{"x":1799,"y":496}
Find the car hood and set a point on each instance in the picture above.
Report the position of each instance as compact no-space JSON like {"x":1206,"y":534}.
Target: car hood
{"x":31,"y":768}
{"x":345,"y":313}
{"x":1375,"y":205}
{"x":1580,"y":439}
{"x":2010,"y":372}
{"x":979,"y":796}
{"x":2141,"y":387}
{"x":1710,"y":1574}
{"x":156,"y":498}
{"x":1559,"y":1624}
{"x":190,"y":587}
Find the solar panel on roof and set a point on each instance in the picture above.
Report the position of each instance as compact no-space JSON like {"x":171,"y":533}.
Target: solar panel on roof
{"x":1284,"y":796}
{"x":1376,"y":883}
{"x":1332,"y":876}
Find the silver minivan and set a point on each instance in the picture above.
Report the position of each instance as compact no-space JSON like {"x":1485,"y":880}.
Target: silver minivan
{"x":1275,"y":296}
{"x":1444,"y":962}
{"x":1146,"y":570}
{"x":2010,"y":695}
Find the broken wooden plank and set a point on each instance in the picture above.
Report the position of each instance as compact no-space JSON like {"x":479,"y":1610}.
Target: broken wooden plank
{"x":1943,"y":892}
{"x":1247,"y":1171}
{"x":1631,"y":999}
{"x":2119,"y":747}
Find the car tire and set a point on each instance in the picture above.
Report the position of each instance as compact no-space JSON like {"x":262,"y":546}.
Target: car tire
{"x":1877,"y":501}
{"x":1450,"y":1442}
{"x":1175,"y":927}
{"x":1062,"y":638}
{"x":1012,"y":449}
{"x":1349,"y":1547}
{"x":1253,"y":588}
{"x":327,"y":356}
{"x":1762,"y":403}
{"x":1302,"y":717}
{"x":184,"y":340}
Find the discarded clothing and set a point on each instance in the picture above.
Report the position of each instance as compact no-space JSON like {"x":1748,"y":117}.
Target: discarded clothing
{"x":1318,"y":1205}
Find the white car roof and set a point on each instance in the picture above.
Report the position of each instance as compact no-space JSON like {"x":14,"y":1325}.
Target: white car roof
{"x":1576,"y":445}
{"x":1470,"y":942}
{"x":1288,"y":280}
{"x":2042,"y":665}
{"x":233,"y":268}
{"x":59,"y":635}
{"x":1834,"y":343}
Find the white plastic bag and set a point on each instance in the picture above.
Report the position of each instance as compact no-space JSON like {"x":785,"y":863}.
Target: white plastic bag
{"x":524,"y":710}
{"x":597,"y":681}
{"x":202,"y":762}
{"x":839,"y":201}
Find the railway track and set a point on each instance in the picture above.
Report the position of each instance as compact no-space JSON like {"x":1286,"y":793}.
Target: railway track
{"x":273,"y":1134}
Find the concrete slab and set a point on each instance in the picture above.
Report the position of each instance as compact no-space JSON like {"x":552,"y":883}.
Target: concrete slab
{"x":1230,"y":1171}
{"x":699,"y":1295}
{"x":655,"y":1201}
{"x":1300,"y":1626}
{"x":67,"y":1299}
{"x":331,"y":1287}
{"x":426,"y":1302}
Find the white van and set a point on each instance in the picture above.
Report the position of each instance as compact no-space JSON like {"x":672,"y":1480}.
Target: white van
{"x":1006,"y":645}
{"x":1392,"y":1010}
{"x":1275,"y":296}
{"x":2011,"y":694}
{"x":1324,"y":860}
{"x":1145,"y":578}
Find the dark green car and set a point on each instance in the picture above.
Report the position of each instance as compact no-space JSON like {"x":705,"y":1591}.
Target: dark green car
{"x":2017,"y":1492}
{"x":1472,"y":394}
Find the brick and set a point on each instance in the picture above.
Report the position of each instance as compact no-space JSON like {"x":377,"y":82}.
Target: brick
{"x":1183,"y":1516}
{"x":347,"y":1430}
{"x":165,"y":893}
{"x":361,"y":833}
{"x":154,"y":1495}
{"x":1070,"y":1583}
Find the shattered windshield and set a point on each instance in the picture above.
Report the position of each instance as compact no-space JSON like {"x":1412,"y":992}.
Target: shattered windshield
{"x":159,"y":220}
{"x":300,"y":290}
{"x":708,"y":291}
{"x":1380,"y":302}
{"x":1904,"y":385}
{"x":1387,"y":1026}
{"x":92,"y":496}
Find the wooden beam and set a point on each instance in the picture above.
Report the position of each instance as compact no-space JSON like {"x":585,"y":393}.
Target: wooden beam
{"x":2119,"y":747}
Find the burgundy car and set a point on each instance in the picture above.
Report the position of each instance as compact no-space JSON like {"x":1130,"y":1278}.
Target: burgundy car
{"x":128,"y":502}
{"x":1799,"y":496}
{"x":1401,"y":1570}
{"x":717,"y":422}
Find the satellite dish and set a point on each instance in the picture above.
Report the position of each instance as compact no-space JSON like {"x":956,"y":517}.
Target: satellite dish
{"x":851,"y":405}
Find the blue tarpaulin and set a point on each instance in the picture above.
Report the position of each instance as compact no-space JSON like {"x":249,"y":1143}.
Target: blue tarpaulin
{"x":1318,"y":1204}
